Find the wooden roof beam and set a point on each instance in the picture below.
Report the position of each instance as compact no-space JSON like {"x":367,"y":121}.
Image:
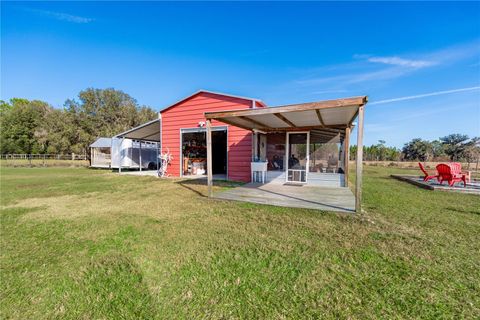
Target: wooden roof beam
{"x":281,"y":117}
{"x":307,"y":128}
{"x":356,"y":114}
{"x":255,"y":122}
{"x":233,"y":124}
{"x":350,"y":123}
{"x":320,"y":117}
{"x":331,"y":129}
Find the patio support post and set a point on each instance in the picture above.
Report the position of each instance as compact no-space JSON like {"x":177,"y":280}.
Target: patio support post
{"x":160,"y":130}
{"x":157,"y":147}
{"x":140,"y":155}
{"x":358,"y":182}
{"x":209,"y":157}
{"x":346,"y":154}
{"x":255,"y":144}
{"x":121,"y":156}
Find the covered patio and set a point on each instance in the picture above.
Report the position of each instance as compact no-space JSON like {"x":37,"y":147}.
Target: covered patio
{"x":301,"y":153}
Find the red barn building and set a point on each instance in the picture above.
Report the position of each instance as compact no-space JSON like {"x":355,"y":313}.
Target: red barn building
{"x":183,"y":135}
{"x":241,"y":139}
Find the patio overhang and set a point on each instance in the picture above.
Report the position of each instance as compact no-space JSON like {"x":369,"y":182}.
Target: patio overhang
{"x":330,"y":117}
{"x":331,"y":114}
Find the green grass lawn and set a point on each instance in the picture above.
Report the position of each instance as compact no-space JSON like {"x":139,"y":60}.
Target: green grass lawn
{"x":89,"y":244}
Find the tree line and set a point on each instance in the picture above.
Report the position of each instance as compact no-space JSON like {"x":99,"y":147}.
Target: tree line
{"x":454,"y":147}
{"x":35,"y":127}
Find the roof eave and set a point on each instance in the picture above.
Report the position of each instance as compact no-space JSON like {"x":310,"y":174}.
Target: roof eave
{"x":136,"y":128}
{"x":337,"y":103}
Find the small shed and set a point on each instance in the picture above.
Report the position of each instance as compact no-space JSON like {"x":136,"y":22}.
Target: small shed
{"x":100,"y":153}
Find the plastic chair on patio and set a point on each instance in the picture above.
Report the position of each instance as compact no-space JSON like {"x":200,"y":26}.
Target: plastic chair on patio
{"x":449,"y":173}
{"x":457,"y":168}
{"x":427,"y":175}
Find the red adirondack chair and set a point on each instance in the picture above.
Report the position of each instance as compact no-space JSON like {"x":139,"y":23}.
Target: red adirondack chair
{"x":457,"y":168}
{"x":450,"y":174}
{"x":427,"y":176}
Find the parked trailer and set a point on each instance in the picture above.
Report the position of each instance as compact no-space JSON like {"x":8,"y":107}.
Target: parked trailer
{"x":126,"y":153}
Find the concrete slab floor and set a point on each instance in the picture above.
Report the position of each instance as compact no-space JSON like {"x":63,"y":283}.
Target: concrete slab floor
{"x":295,"y":196}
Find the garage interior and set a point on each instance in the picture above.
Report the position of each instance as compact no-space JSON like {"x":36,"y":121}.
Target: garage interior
{"x":194,"y":152}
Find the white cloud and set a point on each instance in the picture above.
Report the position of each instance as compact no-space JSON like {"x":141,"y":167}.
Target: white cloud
{"x":397,"y":61}
{"x":418,"y":96}
{"x":62,"y":16}
{"x":370,"y":68}
{"x":456,"y":53}
{"x":357,"y":77}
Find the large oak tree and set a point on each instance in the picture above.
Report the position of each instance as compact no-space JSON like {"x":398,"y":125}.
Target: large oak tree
{"x":36,"y":127}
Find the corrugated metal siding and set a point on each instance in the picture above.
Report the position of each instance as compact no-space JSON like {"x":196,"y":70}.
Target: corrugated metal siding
{"x":188,"y":113}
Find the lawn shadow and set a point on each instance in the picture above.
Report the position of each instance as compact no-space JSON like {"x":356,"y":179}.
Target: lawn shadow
{"x":202,"y":181}
{"x":189,"y":183}
{"x":463,"y":211}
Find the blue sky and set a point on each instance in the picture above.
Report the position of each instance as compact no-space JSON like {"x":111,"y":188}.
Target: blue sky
{"x":280,"y":53}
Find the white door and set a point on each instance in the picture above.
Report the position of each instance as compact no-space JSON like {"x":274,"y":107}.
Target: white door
{"x":297,"y":156}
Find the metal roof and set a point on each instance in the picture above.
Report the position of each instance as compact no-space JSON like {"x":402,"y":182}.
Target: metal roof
{"x":102,"y":143}
{"x":216,"y":93}
{"x":149,"y":131}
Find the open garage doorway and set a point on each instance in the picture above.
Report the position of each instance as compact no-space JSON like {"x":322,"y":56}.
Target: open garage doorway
{"x":194,"y":151}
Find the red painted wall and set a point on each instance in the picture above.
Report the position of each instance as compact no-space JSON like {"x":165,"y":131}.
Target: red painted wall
{"x":189,"y":112}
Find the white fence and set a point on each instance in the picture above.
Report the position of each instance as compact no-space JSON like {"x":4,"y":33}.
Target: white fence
{"x":71,"y":156}
{"x":38,"y":160}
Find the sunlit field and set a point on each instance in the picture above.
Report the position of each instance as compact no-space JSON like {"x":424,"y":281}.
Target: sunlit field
{"x":90,"y":244}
